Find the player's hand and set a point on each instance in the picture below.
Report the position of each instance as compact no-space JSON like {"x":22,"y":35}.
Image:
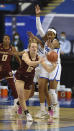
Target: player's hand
{"x":10,"y":53}
{"x":37,"y":10}
{"x":30,"y":34}
{"x":54,"y":64}
{"x":42,"y":59}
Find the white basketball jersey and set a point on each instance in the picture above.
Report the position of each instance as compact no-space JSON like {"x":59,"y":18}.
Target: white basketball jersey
{"x":48,"y":49}
{"x":40,"y":51}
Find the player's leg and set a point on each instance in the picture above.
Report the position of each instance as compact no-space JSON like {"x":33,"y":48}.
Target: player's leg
{"x":23,"y":95}
{"x":53,"y":86}
{"x":54,"y":97}
{"x":28,"y":93}
{"x":36,"y":77}
{"x":11,"y":84}
{"x":54,"y":77}
{"x":48,"y":99}
{"x":42,"y":85}
{"x":47,"y":95}
{"x":32,"y":91}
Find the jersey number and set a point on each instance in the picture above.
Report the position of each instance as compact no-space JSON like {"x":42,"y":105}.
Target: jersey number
{"x":4,"y":57}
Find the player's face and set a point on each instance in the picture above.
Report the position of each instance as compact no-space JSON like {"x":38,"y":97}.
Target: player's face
{"x":6,"y":40}
{"x":33,"y":48}
{"x":50,"y":35}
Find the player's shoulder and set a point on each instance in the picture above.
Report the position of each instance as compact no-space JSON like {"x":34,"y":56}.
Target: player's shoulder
{"x":25,"y":53}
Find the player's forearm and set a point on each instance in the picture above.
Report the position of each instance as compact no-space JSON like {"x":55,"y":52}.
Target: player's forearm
{"x":39,"y":41}
{"x":29,"y":62}
{"x":39,"y":27}
{"x":48,"y":68}
{"x":33,"y":63}
{"x":21,"y":53}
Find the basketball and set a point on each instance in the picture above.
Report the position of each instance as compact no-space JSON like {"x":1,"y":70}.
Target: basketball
{"x":52,"y":56}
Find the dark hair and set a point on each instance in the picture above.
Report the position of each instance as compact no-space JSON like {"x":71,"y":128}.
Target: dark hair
{"x":16,"y":33}
{"x":63,"y":33}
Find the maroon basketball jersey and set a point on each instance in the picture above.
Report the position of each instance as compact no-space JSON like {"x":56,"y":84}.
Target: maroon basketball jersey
{"x":25,"y":71}
{"x":5,"y":58}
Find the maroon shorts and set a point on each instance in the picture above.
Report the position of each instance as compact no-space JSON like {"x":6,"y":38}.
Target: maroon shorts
{"x":27,"y":80}
{"x":6,"y":74}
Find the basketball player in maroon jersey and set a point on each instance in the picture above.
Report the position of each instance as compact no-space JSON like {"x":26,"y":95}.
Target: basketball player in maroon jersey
{"x":5,"y":66}
{"x":24,"y":76}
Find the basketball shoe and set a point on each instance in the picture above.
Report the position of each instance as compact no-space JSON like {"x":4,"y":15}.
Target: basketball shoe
{"x":28,"y":124}
{"x":29,"y":117}
{"x":50,"y":112}
{"x":19,"y":110}
{"x":56,"y":111}
{"x":41,"y":114}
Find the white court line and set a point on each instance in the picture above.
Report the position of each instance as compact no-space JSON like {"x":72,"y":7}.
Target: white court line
{"x":51,"y":14}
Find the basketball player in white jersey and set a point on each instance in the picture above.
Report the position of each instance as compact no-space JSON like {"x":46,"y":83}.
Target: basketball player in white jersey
{"x":51,"y":43}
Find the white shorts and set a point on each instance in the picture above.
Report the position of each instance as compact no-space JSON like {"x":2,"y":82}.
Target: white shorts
{"x":54,"y":75}
{"x":43,"y":73}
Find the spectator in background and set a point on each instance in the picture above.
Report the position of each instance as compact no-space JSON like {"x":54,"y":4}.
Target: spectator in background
{"x":65,"y":45}
{"x":18,"y":44}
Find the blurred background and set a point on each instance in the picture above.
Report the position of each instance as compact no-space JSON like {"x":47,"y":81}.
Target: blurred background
{"x":19,"y":16}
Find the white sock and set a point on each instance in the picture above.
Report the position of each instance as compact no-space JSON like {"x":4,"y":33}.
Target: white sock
{"x":15,"y":101}
{"x":54,"y":98}
{"x":42,"y":106}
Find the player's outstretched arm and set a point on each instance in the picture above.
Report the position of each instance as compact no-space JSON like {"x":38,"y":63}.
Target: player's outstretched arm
{"x":27,"y":60}
{"x":38,"y":22}
{"x":32,"y":36}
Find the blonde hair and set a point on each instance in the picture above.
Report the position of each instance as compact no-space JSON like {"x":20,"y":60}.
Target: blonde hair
{"x":31,"y":40}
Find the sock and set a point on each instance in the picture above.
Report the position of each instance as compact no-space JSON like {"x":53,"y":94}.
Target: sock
{"x":15,"y":101}
{"x":54,"y":98}
{"x":42,"y":105}
{"x":18,"y":103}
{"x":26,"y":112}
{"x":49,"y":108}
